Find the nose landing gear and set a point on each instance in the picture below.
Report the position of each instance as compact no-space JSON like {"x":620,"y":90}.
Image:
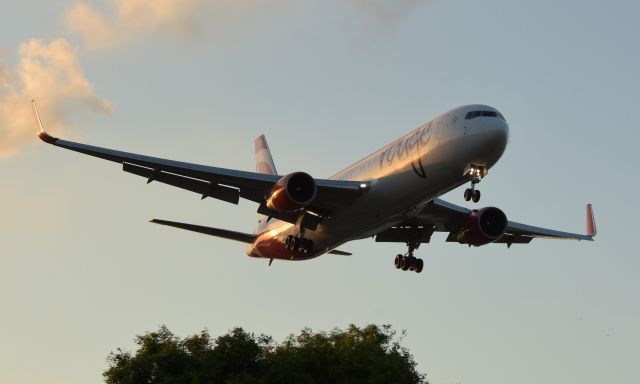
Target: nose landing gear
{"x":475,"y":173}
{"x":472,"y":193}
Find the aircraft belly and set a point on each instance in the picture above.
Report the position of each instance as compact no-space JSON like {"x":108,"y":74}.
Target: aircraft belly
{"x":400,"y":190}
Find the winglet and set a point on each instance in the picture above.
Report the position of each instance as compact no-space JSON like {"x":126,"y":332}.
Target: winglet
{"x":591,"y":222}
{"x":44,"y":136}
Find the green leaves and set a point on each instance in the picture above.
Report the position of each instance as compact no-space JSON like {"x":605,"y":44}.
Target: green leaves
{"x":355,"y":355}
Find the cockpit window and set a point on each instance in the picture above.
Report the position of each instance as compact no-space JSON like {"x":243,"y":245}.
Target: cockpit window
{"x":474,"y":114}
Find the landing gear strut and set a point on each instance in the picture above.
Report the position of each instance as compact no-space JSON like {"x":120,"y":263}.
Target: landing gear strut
{"x":475,"y":173}
{"x":409,"y":262}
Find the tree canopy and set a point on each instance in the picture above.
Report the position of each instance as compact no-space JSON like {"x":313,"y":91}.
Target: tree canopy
{"x":370,"y":354}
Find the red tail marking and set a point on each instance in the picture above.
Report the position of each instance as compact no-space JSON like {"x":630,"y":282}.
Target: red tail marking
{"x":264,"y":167}
{"x":260,"y":143}
{"x":591,"y":223}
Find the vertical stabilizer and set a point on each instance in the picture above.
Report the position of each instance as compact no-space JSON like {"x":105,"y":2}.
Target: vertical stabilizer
{"x":264,"y":161}
{"x":264,"y":164}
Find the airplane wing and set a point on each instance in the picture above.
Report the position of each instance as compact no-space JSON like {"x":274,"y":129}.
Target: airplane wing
{"x":220,"y":183}
{"x":225,"y":233}
{"x":442,"y":216}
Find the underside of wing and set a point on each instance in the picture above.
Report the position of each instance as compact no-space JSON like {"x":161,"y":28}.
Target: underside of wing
{"x":220,"y":183}
{"x":217,"y":232}
{"x":474,"y":227}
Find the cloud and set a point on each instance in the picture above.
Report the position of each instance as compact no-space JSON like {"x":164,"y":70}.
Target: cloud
{"x":126,"y":21}
{"x":52,"y":74}
{"x":389,"y":10}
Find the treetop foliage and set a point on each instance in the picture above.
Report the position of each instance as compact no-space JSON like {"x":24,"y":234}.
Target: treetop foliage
{"x":370,"y":354}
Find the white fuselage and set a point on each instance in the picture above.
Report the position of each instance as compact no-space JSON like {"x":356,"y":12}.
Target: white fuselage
{"x":402,"y":177}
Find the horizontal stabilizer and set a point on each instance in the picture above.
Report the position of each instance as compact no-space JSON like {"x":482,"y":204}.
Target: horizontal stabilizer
{"x":224,"y":233}
{"x":339,"y":253}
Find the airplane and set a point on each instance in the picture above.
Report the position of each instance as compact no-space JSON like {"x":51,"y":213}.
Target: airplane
{"x":392,"y":195}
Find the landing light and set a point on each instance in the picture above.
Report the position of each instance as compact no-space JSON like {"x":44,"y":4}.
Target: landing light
{"x":363,"y":185}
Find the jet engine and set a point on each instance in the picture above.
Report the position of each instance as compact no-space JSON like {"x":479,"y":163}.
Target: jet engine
{"x":483,"y":226}
{"x":292,"y":192}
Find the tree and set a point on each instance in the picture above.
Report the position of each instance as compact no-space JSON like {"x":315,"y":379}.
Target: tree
{"x":355,"y":355}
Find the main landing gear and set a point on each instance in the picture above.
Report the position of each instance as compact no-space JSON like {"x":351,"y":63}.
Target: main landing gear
{"x":409,"y":262}
{"x":475,"y":173}
{"x":298,"y":244}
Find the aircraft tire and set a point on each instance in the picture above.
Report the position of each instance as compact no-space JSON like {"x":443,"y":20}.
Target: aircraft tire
{"x":307,"y":246}
{"x":476,"y":196}
{"x":467,"y":194}
{"x":398,"y":261}
{"x":419,"y":265}
{"x":407,"y":263}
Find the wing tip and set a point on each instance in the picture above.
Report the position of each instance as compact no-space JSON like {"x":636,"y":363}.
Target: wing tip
{"x":42,"y":134}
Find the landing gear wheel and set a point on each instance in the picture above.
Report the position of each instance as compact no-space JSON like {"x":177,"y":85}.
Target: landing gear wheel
{"x":398,"y":261}
{"x":306,"y":246}
{"x":476,"y":196}
{"x":467,"y":194}
{"x":407,"y":263}
{"x":419,"y":265}
{"x":412,"y":263}
{"x":293,"y":244}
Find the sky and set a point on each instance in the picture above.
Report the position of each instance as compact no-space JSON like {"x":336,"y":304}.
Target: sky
{"x":82,"y":271}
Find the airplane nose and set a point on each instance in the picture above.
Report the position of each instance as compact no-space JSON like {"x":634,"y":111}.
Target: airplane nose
{"x":500,"y":133}
{"x":493,"y":131}
{"x":497,"y":136}
{"x":490,"y":137}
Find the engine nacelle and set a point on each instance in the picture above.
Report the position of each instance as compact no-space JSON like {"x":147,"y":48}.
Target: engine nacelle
{"x":292,"y":192}
{"x":483,"y":226}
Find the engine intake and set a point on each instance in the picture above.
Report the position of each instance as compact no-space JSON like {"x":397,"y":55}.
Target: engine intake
{"x":483,"y":226}
{"x":292,"y":192}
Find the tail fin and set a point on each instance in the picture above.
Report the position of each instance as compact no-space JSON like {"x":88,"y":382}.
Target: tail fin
{"x":591,"y":222}
{"x":264,"y":161}
{"x":264,"y":164}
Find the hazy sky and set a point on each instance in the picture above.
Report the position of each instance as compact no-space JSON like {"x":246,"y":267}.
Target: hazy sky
{"x":82,"y":271}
